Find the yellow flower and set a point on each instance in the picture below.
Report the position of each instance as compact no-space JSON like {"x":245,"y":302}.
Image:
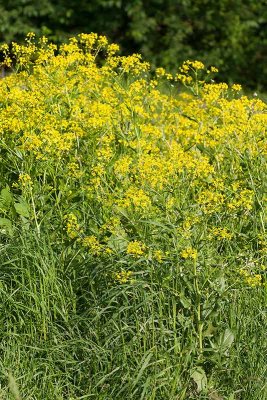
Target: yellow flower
{"x":123,"y":276}
{"x":92,"y":244}
{"x":214,"y":69}
{"x":25,"y":180}
{"x":236,"y":87}
{"x":190,"y":253}
{"x":252,"y":280}
{"x":72,"y":226}
{"x":158,"y":255}
{"x":220,"y":234}
{"x":136,"y":248}
{"x":160,"y":72}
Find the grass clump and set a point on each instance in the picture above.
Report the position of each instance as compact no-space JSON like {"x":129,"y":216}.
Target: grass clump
{"x":132,"y":219}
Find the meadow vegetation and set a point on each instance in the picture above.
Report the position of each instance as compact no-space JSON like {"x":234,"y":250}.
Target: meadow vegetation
{"x":132,"y":226}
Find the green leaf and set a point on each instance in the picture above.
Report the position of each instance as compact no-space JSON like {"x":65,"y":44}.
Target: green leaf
{"x":185,"y":301}
{"x":209,"y":332}
{"x":232,"y":396}
{"x":144,"y":364}
{"x":200,"y":378}
{"x":119,"y":240}
{"x":227,"y":340}
{"x":215,"y":396}
{"x":6,"y":197}
{"x":6,"y":226}
{"x":22,"y":208}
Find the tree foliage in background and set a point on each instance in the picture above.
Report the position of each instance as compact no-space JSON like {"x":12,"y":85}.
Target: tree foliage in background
{"x":229,"y":34}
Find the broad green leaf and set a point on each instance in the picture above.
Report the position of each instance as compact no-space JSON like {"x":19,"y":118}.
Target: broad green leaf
{"x":6,"y":226}
{"x":22,"y":209}
{"x":200,"y":378}
{"x":227,"y":340}
{"x":6,"y":197}
{"x":185,"y":301}
{"x":210,"y":330}
{"x":118,"y":241}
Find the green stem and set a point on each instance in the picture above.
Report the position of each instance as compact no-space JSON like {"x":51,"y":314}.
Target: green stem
{"x":198,"y":301}
{"x":35,"y":216}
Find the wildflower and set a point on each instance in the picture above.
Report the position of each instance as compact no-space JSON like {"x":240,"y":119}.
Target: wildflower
{"x":92,"y":244}
{"x":136,"y":248}
{"x":189,"y":253}
{"x":136,"y":198}
{"x":197,"y":65}
{"x":236,"y":87}
{"x":252,"y":280}
{"x":147,"y":163}
{"x":112,"y":49}
{"x":72,"y":226}
{"x":214,"y":69}
{"x":123,"y":276}
{"x":158,"y":255}
{"x":25,"y":180}
{"x":122,"y":166}
{"x":30,"y":35}
{"x":74,"y":170}
{"x":220,"y":234}
{"x":160,"y":72}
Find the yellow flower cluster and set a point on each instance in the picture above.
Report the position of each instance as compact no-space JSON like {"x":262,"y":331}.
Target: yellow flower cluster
{"x":136,"y":198}
{"x":252,"y":280}
{"x":25,"y":180}
{"x":136,"y":248}
{"x":123,"y":276}
{"x":92,"y":244}
{"x":190,"y":253}
{"x":100,"y":137}
{"x":220,"y":234}
{"x":72,"y":226}
{"x":158,"y":255}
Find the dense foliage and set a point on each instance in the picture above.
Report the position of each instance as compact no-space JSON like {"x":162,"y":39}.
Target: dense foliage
{"x":232,"y":35}
{"x":133,"y":228}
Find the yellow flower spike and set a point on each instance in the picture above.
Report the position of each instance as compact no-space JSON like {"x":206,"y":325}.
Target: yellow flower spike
{"x":136,"y":198}
{"x":197,"y":65}
{"x":30,"y":35}
{"x":102,"y":41}
{"x":220,"y":234}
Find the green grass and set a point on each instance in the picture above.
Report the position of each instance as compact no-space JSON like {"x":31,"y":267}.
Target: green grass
{"x":65,"y":333}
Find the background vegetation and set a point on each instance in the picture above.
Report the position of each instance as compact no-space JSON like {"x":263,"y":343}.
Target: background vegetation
{"x":229,"y":34}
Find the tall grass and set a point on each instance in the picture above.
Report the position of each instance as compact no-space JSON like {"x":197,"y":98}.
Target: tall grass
{"x":65,"y":336}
